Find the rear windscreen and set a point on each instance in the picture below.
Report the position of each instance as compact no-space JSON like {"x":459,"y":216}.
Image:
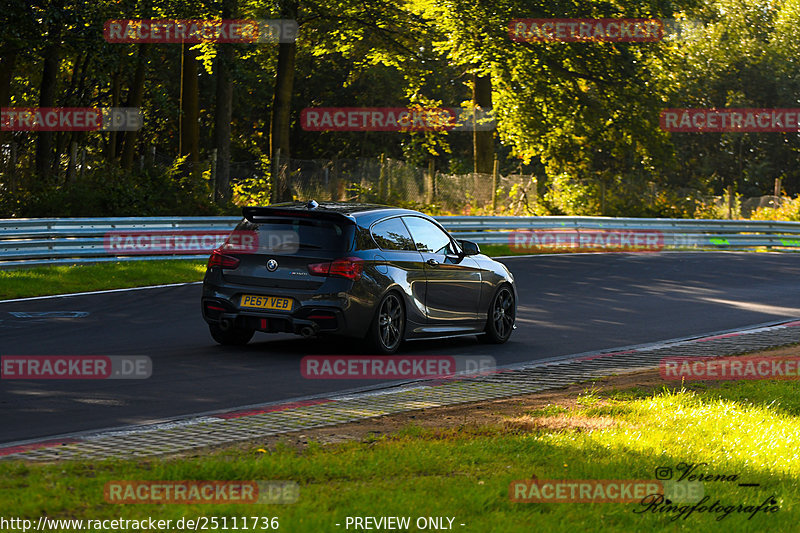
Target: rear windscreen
{"x":293,"y":235}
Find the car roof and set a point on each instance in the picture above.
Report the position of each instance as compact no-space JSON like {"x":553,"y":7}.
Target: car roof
{"x":362,"y":213}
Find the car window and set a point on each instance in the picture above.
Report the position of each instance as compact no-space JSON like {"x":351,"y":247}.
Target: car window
{"x":299,"y":233}
{"x":392,"y":234}
{"x":428,"y":236}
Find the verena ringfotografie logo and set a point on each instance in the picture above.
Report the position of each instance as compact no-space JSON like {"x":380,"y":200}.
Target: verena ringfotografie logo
{"x":396,"y":119}
{"x":586,"y":241}
{"x":609,"y":30}
{"x":730,"y":120}
{"x":70,"y":119}
{"x":170,"y":242}
{"x":200,"y":31}
{"x":75,"y":367}
{"x":729,"y":368}
{"x":394,"y":367}
{"x":602,"y":490}
{"x":201,"y":492}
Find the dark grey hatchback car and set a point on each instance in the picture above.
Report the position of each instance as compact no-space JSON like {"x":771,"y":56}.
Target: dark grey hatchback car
{"x":367,"y":271}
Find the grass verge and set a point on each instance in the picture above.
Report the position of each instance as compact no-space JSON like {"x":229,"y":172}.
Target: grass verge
{"x":750,"y":430}
{"x":64,"y":279}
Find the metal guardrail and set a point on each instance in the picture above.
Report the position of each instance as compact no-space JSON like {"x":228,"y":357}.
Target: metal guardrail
{"x":673,"y":232}
{"x":32,"y":242}
{"x":48,"y":241}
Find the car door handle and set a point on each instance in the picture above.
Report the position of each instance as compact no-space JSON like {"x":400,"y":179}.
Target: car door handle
{"x":432,"y":262}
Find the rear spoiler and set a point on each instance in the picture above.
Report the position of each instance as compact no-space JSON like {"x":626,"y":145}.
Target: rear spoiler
{"x":255,"y":214}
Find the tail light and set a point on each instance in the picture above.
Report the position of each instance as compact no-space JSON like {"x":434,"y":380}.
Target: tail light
{"x":220,"y":260}
{"x":345,"y":267}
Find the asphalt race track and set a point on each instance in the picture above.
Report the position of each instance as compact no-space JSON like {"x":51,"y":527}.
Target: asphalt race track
{"x":568,"y":304}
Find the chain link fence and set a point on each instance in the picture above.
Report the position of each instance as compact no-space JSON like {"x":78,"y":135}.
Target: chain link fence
{"x":391,"y":181}
{"x":396,"y":182}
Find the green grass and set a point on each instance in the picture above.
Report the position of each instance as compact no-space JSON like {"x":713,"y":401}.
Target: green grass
{"x":498,"y":250}
{"x":42,"y":281}
{"x":465,"y":473}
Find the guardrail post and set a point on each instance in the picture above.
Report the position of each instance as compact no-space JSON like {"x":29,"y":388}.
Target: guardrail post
{"x":602,"y":197}
{"x":13,"y":167}
{"x":730,"y":202}
{"x":429,"y":187}
{"x":382,"y":179}
{"x":73,"y":161}
{"x":494,"y":184}
{"x":214,"y":191}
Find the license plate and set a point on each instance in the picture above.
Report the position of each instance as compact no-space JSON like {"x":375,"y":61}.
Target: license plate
{"x":266,"y":302}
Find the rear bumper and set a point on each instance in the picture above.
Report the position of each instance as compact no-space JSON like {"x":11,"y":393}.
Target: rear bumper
{"x":338,"y":307}
{"x":305,"y":320}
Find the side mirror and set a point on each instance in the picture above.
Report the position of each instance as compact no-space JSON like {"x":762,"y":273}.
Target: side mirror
{"x":469,"y":247}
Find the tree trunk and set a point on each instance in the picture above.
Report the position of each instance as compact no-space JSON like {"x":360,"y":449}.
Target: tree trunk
{"x":224,"y":111}
{"x":281,"y":108}
{"x":222,"y":128}
{"x":66,"y":138}
{"x":482,"y":141}
{"x":8,"y":60}
{"x":190,"y":116}
{"x":116,"y":88}
{"x":135,"y":97}
{"x":47,"y":98}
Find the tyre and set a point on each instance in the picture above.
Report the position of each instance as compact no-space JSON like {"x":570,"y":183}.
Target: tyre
{"x":388,"y":326}
{"x":231,"y":337}
{"x":500,"y":322}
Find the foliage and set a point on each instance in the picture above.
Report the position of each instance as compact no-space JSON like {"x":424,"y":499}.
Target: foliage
{"x":571,"y":197}
{"x":789,"y":209}
{"x":254,"y":190}
{"x":115,"y":192}
{"x":717,"y":208}
{"x":577,"y":115}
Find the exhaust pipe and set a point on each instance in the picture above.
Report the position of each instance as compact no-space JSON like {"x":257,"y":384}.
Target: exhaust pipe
{"x":307,"y":331}
{"x":225,"y":324}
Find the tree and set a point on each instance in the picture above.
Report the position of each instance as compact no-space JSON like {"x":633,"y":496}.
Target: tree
{"x":224,"y":109}
{"x":742,"y":54}
{"x":281,"y":106}
{"x":51,"y":64}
